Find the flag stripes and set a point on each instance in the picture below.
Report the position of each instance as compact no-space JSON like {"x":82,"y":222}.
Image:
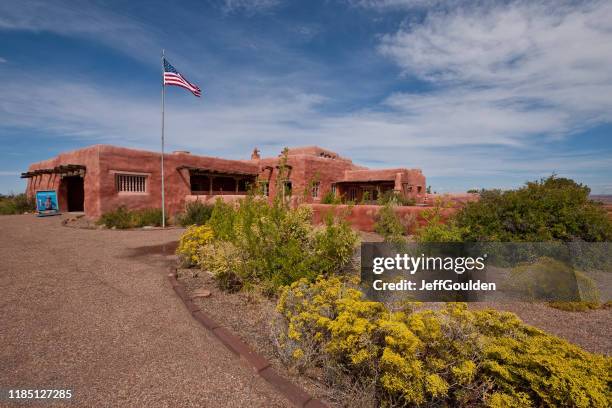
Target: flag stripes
{"x":173,"y":77}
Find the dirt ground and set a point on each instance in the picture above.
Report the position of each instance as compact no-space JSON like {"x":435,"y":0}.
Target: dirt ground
{"x":92,"y":311}
{"x":252,"y":318}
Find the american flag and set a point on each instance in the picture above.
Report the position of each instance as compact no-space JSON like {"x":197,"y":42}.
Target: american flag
{"x":173,"y":77}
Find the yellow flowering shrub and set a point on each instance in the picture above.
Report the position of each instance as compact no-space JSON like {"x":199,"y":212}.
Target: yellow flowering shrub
{"x":447,"y":357}
{"x":225,"y":262}
{"x":190,"y":243}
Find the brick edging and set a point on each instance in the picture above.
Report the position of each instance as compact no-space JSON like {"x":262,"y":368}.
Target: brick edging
{"x":260,"y":365}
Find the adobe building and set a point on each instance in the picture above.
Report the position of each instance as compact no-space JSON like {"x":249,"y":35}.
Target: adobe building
{"x":100,"y":178}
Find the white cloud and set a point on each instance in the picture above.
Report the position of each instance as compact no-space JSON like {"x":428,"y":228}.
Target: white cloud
{"x":393,"y":5}
{"x":250,"y":6}
{"x":9,"y":173}
{"x":287,"y":117}
{"x":546,"y":61}
{"x":3,"y":60}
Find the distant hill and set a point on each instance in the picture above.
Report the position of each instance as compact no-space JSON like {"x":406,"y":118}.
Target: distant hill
{"x":604,"y":198}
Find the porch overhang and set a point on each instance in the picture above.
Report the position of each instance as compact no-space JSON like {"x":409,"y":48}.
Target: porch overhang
{"x":217,"y":172}
{"x":366,"y":180}
{"x":65,"y":169}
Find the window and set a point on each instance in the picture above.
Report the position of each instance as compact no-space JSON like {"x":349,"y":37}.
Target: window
{"x":287,"y":187}
{"x":131,"y":183}
{"x":352,"y":194}
{"x":419,"y":189}
{"x":333,"y":190}
{"x":243,"y":185}
{"x":200,"y":183}
{"x":315,"y":189}
{"x":265,"y":188}
{"x":226,"y":184}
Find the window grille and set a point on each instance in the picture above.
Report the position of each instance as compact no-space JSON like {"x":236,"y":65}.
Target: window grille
{"x":315,"y":189}
{"x":131,"y":183}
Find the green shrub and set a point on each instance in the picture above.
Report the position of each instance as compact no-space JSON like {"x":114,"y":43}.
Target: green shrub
{"x":330,"y":198}
{"x":580,"y":306}
{"x":552,"y":209}
{"x":551,"y":279}
{"x":16,"y":204}
{"x":389,"y":225}
{"x":446,"y":357}
{"x":365,"y":198}
{"x":393,"y":197}
{"x":222,"y":220}
{"x":196,"y":213}
{"x":333,"y":246}
{"x":277,"y":245}
{"x":122,"y":218}
{"x":436,"y":230}
{"x":148,"y":217}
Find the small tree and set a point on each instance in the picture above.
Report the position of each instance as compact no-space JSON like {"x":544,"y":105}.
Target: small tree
{"x":389,"y":225}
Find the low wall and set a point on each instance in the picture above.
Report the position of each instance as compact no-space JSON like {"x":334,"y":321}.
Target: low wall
{"x":363,"y":217}
{"x":210,"y":199}
{"x":452,"y":199}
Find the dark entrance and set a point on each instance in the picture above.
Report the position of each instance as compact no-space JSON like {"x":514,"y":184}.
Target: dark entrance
{"x":75,"y":194}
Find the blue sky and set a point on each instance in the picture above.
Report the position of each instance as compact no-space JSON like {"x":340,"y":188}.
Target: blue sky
{"x":476,"y":93}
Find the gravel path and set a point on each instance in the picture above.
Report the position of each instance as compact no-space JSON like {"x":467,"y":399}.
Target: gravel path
{"x":92,"y":310}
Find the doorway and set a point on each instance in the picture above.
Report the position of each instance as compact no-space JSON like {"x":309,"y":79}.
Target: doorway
{"x":75,"y":193}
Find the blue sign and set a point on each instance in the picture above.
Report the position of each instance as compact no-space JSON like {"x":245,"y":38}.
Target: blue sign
{"x":46,"y":202}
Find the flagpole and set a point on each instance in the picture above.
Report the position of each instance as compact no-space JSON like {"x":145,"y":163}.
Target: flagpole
{"x":162,"y":145}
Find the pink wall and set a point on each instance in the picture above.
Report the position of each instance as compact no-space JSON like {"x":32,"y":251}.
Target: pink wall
{"x":363,"y":217}
{"x":87,"y":157}
{"x":102,"y":162}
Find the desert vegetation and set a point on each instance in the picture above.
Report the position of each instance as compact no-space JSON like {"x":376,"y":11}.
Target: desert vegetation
{"x":122,"y":218}
{"x":419,"y":357}
{"x":551,"y":209}
{"x":266,"y":246}
{"x":408,"y":354}
{"x":16,"y":204}
{"x":196,"y":213}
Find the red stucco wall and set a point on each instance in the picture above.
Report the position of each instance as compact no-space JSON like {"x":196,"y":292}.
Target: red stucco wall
{"x":103,"y":162}
{"x":87,"y":157}
{"x":177,"y":184}
{"x":363,"y":217}
{"x":304,"y":170}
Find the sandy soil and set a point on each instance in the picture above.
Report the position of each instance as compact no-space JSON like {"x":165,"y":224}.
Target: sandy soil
{"x":250,"y":316}
{"x":93,"y":311}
